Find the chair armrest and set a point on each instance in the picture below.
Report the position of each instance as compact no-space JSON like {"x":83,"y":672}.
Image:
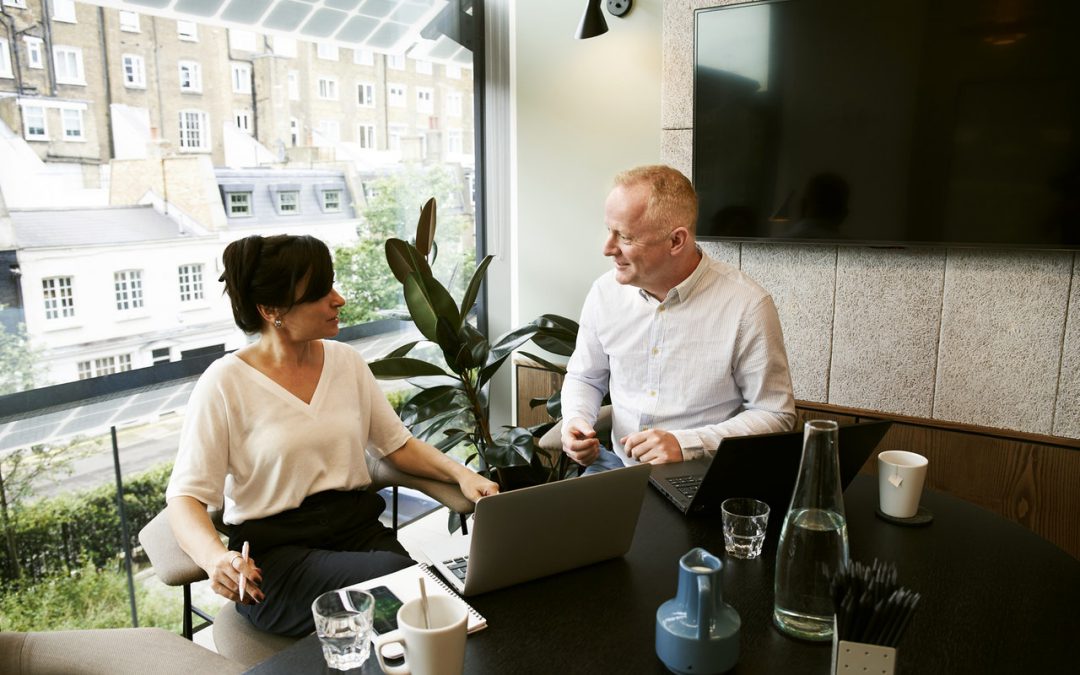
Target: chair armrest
{"x":551,"y":442}
{"x":171,"y":564}
{"x":385,"y":474}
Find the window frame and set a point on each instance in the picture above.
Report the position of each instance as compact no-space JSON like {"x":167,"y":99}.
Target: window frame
{"x":128,"y":291}
{"x":328,"y":205}
{"x":365,"y":136}
{"x":287,"y":201}
{"x":326,"y":51}
{"x":326,"y":88}
{"x":129,"y":21}
{"x":425,"y":100}
{"x":137,"y":78}
{"x":189,"y":278}
{"x":193,"y":83}
{"x":59,"y":54}
{"x":64,"y":11}
{"x":231,"y":205}
{"x":397,"y":95}
{"x":241,"y":77}
{"x":188,"y":31}
{"x":35,"y":52}
{"x":365,"y":94}
{"x":43,"y":112}
{"x":62,"y":300}
{"x":185,"y":131}
{"x":79,"y":126}
{"x":5,"y":60}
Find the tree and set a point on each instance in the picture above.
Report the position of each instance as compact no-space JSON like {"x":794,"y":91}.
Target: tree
{"x":18,"y":360}
{"x":362,"y":274}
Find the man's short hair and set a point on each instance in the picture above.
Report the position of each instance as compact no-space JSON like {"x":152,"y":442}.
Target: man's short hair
{"x":672,"y":200}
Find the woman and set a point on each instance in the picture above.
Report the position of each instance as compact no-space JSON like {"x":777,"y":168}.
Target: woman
{"x":276,"y":433}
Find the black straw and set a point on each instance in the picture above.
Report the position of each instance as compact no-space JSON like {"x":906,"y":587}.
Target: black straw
{"x":871,"y":607}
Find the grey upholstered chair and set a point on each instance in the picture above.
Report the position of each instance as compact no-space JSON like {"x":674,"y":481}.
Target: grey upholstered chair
{"x":112,"y":651}
{"x":233,"y":635}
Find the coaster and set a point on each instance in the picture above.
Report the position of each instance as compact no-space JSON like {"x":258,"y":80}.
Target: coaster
{"x":921,"y":518}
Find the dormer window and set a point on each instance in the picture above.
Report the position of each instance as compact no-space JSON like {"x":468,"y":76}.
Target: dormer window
{"x":286,"y":199}
{"x":331,"y":201}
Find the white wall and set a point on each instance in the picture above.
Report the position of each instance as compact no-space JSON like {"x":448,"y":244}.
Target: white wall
{"x":583,"y":110}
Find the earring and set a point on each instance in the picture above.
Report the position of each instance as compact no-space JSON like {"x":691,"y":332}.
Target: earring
{"x":277,"y":323}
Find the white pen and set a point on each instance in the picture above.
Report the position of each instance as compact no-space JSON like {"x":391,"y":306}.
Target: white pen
{"x":243,"y":552}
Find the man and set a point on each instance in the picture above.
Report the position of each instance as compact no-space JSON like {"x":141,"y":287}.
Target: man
{"x":689,"y":348}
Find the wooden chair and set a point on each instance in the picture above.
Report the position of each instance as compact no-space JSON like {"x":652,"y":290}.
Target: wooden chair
{"x":235,"y":637}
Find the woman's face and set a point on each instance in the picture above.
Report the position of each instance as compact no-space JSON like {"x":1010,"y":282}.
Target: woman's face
{"x":312,"y":320}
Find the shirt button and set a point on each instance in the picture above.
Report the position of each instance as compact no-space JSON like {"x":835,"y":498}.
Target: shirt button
{"x":661,"y":308}
{"x":655,"y":350}
{"x":652,"y":393}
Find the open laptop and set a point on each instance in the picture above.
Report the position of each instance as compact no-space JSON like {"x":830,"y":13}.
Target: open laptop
{"x":532,"y":532}
{"x":763,"y":466}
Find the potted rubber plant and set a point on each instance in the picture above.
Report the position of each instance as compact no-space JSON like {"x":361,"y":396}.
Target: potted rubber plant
{"x":450,"y":407}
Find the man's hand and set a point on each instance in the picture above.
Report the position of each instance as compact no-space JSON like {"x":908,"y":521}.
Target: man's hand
{"x":652,"y":446}
{"x":474,"y":486}
{"x":579,"y":441}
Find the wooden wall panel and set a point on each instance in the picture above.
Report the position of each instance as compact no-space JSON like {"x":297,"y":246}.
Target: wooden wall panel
{"x":532,"y":383}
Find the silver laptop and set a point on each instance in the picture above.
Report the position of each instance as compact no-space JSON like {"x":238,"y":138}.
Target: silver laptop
{"x":532,"y":532}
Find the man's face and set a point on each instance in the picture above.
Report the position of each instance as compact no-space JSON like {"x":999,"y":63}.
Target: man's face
{"x":639,"y":250}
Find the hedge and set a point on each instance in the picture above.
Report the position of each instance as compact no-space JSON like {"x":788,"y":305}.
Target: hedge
{"x":72,"y":532}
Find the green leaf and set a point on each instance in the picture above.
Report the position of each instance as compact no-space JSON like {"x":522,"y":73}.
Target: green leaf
{"x":469,"y":299}
{"x":450,"y":342}
{"x":548,"y":365}
{"x":428,"y":301}
{"x":428,"y":402}
{"x":397,"y":257}
{"x":403,"y":349}
{"x":513,"y":339}
{"x":425,"y":227}
{"x":396,"y":368}
{"x":474,"y":350}
{"x":451,"y":440}
{"x":488,"y":371}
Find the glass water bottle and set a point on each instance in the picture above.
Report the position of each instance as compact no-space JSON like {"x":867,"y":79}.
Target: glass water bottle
{"x":813,"y":542}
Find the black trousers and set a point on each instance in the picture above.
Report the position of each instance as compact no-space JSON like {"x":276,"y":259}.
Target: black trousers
{"x":333,"y":539}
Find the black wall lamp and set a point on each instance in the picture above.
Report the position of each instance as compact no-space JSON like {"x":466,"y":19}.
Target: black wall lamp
{"x":592,"y":21}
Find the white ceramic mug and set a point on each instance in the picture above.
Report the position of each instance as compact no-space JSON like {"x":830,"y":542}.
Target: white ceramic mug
{"x":436,"y":650}
{"x":901,"y":476}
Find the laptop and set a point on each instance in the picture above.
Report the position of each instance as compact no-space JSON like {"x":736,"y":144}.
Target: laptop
{"x":762,"y":466}
{"x":536,"y":531}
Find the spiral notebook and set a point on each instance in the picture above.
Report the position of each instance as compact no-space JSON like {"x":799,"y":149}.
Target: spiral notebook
{"x":405,"y":584}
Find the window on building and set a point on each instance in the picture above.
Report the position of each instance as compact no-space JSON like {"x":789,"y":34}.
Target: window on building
{"x":330,"y":131}
{"x":424,"y":100}
{"x":187,"y":31}
{"x":294,"y":131}
{"x":395,"y":61}
{"x":365,"y":135}
{"x":454,"y":143}
{"x":5,"y":60}
{"x":294,"y":85}
{"x":191,"y":276}
{"x":134,"y":71}
{"x":161,"y":355}
{"x":395,"y":132}
{"x":35,"y":57}
{"x":190,"y":76}
{"x":69,"y":65}
{"x":243,"y":120}
{"x":424,"y":67}
{"x":239,"y":204}
{"x":21,"y":4}
{"x":453,"y":71}
{"x":129,"y":21}
{"x":365,"y":95}
{"x":326,"y":51}
{"x":128,"y":287}
{"x":328,"y":88}
{"x":71,"y":120}
{"x":454,"y":100}
{"x":34,"y":128}
{"x":363,"y":57}
{"x":395,"y":95}
{"x":241,"y":78}
{"x":63,"y":10}
{"x":288,"y":202}
{"x":331,"y":201}
{"x":105,"y":365}
{"x":194,"y":130}
{"x":243,"y":40}
{"x":59,"y":298}
{"x":284,"y":46}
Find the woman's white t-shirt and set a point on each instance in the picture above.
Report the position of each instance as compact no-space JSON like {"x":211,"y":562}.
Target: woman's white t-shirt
{"x":250,"y":445}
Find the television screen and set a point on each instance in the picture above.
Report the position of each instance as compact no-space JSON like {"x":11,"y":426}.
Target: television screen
{"x":939,"y":122}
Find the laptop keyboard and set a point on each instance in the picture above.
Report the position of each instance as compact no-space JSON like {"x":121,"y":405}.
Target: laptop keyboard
{"x":686,"y":485}
{"x":458,"y":566}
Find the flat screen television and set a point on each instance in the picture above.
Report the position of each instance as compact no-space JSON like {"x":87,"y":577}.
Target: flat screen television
{"x":891,"y":122}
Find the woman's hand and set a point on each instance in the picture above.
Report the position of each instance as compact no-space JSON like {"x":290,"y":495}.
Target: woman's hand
{"x":225,"y":578}
{"x":474,"y":486}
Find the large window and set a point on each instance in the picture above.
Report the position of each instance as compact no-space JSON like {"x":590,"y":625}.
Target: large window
{"x":71,"y":119}
{"x":129,"y":21}
{"x":241,"y":78}
{"x":59,"y":298}
{"x":5,"y":60}
{"x":134,"y":71}
{"x":128,"y":288}
{"x":69,"y":65}
{"x":191,"y":280}
{"x":328,"y":88}
{"x":34,"y":52}
{"x":34,"y":128}
{"x":194,"y":130}
{"x":190,"y":76}
{"x":396,"y":95}
{"x":365,"y":95}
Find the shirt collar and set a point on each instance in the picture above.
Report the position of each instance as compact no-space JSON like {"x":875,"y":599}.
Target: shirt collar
{"x":685,"y":288}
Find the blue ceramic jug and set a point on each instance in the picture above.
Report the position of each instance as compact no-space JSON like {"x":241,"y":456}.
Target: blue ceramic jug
{"x":696,"y":631}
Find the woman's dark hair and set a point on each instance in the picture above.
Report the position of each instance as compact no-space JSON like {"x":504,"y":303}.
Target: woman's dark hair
{"x":266,"y":271}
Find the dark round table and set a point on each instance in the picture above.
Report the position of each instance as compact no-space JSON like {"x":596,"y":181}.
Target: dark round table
{"x":996,"y":598}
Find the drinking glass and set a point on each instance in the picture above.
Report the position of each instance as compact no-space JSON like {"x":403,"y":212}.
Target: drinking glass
{"x":744,"y":521}
{"x":343,"y":622}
